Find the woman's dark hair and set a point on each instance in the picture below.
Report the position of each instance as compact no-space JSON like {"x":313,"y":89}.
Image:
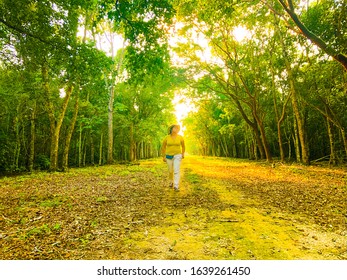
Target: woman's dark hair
{"x":171,"y":127}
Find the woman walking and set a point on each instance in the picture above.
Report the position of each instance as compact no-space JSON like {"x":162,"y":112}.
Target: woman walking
{"x":173,"y":149}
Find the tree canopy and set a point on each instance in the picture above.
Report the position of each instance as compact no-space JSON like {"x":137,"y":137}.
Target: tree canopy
{"x":92,"y":82}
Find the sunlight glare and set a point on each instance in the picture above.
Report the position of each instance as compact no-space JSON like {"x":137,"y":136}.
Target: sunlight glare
{"x":62,"y":93}
{"x":183,"y":106}
{"x":240,"y":33}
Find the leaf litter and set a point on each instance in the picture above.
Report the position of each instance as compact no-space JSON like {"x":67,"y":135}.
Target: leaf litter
{"x":226,"y":209}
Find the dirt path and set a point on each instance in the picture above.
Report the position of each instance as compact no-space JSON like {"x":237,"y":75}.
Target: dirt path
{"x":226,"y":209}
{"x":232,"y":219}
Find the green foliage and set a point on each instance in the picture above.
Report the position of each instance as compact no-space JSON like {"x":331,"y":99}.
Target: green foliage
{"x":206,"y":11}
{"x":250,"y":77}
{"x":143,"y":23}
{"x":328,"y":20}
{"x":52,"y":202}
{"x":38,"y":231}
{"x":42,"y":162}
{"x":240,"y":87}
{"x":48,"y":38}
{"x":57,"y":227}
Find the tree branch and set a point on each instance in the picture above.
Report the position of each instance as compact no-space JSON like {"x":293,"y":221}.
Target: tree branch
{"x":339,"y":57}
{"x":23,"y":32}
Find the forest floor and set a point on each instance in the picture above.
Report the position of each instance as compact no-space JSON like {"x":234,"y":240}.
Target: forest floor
{"x":225,"y":209}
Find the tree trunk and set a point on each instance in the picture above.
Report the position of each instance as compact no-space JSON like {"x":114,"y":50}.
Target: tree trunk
{"x":24,"y":138}
{"x":49,"y":106}
{"x":279,"y":118}
{"x":84,"y":150}
{"x":252,"y":125}
{"x":264,"y":142}
{"x":56,"y":134}
{"x":142,"y":149}
{"x":224,"y":146}
{"x":280,"y":142}
{"x":300,"y":126}
{"x":100,"y":149}
{"x":343,"y":135}
{"x":92,"y":149}
{"x":289,"y":149}
{"x":293,"y":92}
{"x":55,"y":124}
{"x":80,"y":146}
{"x":115,"y":73}
{"x":296,"y":141}
{"x":234,"y":148}
{"x":329,"y":114}
{"x":110,"y":126}
{"x":279,"y":133}
{"x":31,"y":156}
{"x":70,"y":131}
{"x":332,"y":160}
{"x":132,"y":144}
{"x":18,"y":144}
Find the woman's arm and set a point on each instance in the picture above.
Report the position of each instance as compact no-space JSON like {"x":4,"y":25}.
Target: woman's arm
{"x":163,"y":150}
{"x":183,"y":147}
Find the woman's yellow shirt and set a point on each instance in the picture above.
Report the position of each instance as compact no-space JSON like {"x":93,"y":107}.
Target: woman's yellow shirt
{"x":173,"y":145}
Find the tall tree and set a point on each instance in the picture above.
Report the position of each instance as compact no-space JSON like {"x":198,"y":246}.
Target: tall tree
{"x":44,"y":35}
{"x":142,"y":24}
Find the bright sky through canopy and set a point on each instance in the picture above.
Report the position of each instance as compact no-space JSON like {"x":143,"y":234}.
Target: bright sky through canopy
{"x":183,"y":106}
{"x":240,"y":33}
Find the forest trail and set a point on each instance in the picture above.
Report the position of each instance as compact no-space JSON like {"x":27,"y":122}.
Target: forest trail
{"x":226,"y":209}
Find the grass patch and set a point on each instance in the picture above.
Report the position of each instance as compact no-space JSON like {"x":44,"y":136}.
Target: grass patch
{"x":37,"y":231}
{"x":101,"y":199}
{"x":192,"y":178}
{"x":52,"y":202}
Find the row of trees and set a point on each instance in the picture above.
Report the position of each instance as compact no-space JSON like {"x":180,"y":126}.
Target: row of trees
{"x":277,"y":91}
{"x":83,"y":82}
{"x":91,"y":82}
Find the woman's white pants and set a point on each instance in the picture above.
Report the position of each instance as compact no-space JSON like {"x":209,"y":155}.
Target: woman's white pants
{"x":174,"y":169}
